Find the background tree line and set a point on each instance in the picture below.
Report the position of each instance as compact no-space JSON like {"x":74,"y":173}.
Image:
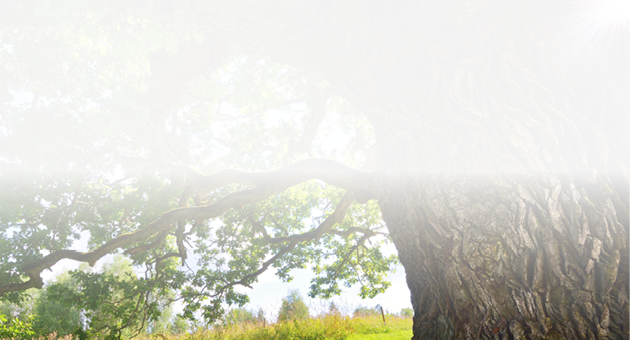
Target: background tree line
{"x":58,"y":308}
{"x":50,"y":310}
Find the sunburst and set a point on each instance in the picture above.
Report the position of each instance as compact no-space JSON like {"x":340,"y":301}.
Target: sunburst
{"x":598,"y":25}
{"x":614,"y":12}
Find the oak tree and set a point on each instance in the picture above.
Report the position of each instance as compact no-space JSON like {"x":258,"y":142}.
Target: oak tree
{"x":490,"y":135}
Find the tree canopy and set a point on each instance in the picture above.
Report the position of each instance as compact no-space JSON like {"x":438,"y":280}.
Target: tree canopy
{"x":106,"y":145}
{"x":209,"y":141}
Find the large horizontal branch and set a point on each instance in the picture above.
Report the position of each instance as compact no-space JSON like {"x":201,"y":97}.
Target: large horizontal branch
{"x":265,"y":185}
{"x":325,"y":227}
{"x":331,"y":172}
{"x":335,"y":218}
{"x":345,"y":233}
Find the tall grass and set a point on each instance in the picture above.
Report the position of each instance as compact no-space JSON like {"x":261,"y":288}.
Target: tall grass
{"x":332,"y":326}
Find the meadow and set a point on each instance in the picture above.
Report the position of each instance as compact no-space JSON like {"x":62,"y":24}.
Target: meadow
{"x":332,"y":326}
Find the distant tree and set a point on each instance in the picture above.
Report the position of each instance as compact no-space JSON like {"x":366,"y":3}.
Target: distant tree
{"x":237,"y":316}
{"x":48,"y":309}
{"x":117,"y":281}
{"x":163,"y":324}
{"x":116,"y":294}
{"x":293,"y":307}
{"x":42,"y":312}
{"x":179,"y":325}
{"x":363,"y":311}
{"x":333,"y":309}
{"x":41,"y":309}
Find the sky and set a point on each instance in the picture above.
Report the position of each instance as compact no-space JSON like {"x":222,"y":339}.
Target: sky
{"x":268,"y":292}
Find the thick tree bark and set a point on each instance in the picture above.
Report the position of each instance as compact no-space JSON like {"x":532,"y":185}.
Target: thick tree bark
{"x":506,"y":195}
{"x":504,"y":155}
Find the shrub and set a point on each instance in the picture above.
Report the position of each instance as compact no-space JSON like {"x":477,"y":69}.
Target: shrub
{"x":16,"y":328}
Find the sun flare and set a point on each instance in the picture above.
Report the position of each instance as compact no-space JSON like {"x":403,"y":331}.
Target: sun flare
{"x":600,"y":26}
{"x":616,"y":9}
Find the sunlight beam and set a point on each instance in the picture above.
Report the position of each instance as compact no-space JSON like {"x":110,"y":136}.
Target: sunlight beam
{"x":617,"y":9}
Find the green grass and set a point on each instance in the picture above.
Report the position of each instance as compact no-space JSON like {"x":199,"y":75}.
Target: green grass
{"x":397,"y":335}
{"x":329,"y":327}
{"x":333,"y":327}
{"x":372,"y":328}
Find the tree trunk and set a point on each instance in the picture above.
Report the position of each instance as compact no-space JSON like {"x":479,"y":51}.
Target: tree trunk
{"x":504,"y":168}
{"x":506,"y":196}
{"x":504,"y":160}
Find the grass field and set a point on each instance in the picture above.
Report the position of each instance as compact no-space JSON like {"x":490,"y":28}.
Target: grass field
{"x":333,"y":327}
{"x":372,"y":328}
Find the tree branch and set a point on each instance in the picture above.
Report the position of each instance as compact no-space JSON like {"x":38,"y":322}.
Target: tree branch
{"x":326,"y":226}
{"x":329,"y":171}
{"x":262,"y":269}
{"x":346,"y":258}
{"x":265,"y":184}
{"x":335,"y":218}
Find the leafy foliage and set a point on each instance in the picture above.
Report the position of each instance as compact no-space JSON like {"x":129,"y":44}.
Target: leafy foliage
{"x":20,"y":317}
{"x":15,"y":328}
{"x":116,"y":132}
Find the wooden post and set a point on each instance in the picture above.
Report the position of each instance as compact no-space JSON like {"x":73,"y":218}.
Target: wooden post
{"x":383,"y":315}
